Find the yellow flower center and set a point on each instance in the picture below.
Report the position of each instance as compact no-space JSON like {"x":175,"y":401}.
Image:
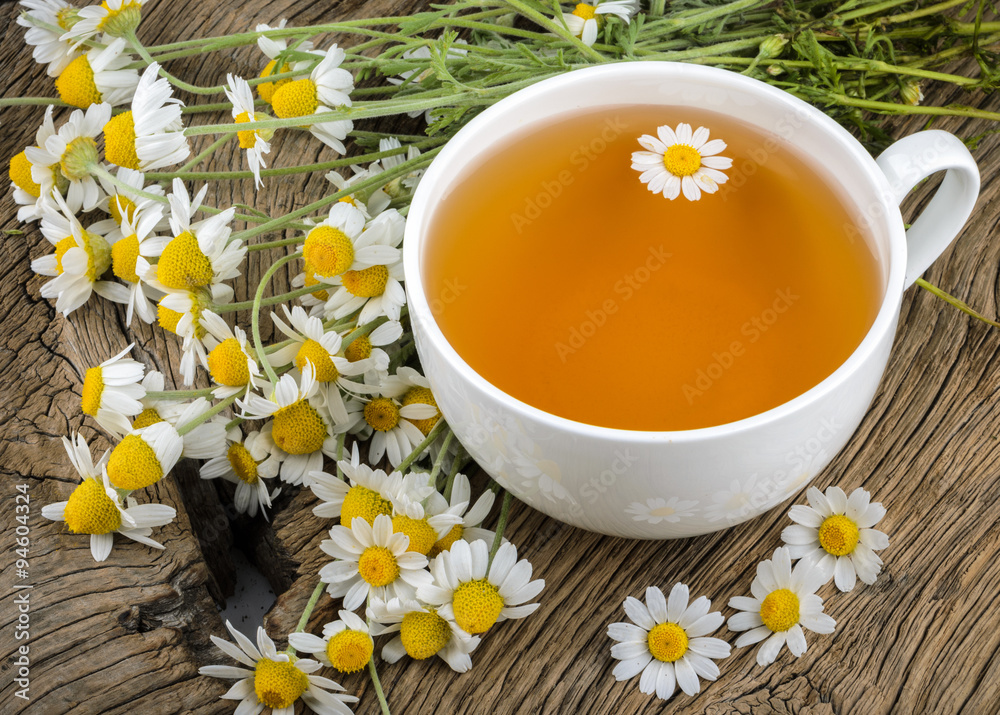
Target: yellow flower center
{"x":838,"y":535}
{"x":422,"y":535}
{"x":75,"y":84}
{"x":328,"y":251}
{"x":227,"y":364}
{"x":667,"y":642}
{"x":382,"y":414}
{"x":477,"y":605}
{"x":349,"y":651}
{"x":121,"y":207}
{"x":682,"y":160}
{"x":447,"y":541}
{"x":364,"y":502}
{"x":20,"y":174}
{"x":183,"y":265}
{"x":278,"y":684}
{"x":243,"y":464}
{"x":93,"y":388}
{"x":67,"y":17}
{"x":368,"y":283}
{"x":97,"y":249}
{"x":585,"y":11}
{"x":122,"y":21}
{"x":147,"y":417}
{"x":424,"y":634}
{"x":78,"y":158}
{"x":780,"y":610}
{"x":295,"y":99}
{"x":298,"y":428}
{"x":119,"y":142}
{"x":315,"y":353}
{"x":359,"y":349}
{"x":124,"y":254}
{"x":247,"y":138}
{"x":422,"y":396}
{"x":266,"y":90}
{"x":133,"y":464}
{"x":90,"y":510}
{"x":168,"y":319}
{"x":311,"y":280}
{"x":378,"y":566}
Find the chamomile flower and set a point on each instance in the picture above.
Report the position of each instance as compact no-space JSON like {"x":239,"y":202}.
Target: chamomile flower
{"x":367,"y":352}
{"x":401,"y":184}
{"x":376,"y":290}
{"x":154,"y":409}
{"x":95,"y":507}
{"x":179,"y":312}
{"x":681,"y":160}
{"x":420,"y":512}
{"x":361,"y":496}
{"x":784,"y":602}
{"x":346,"y":645}
{"x":834,"y":534}
{"x":667,"y":642}
{"x":586,"y":19}
{"x":48,"y":46}
{"x":299,"y":424}
{"x":273,"y":47}
{"x":100,"y":75}
{"x":422,"y":633}
{"x":274,"y":680}
{"x":123,"y":200}
{"x":254,"y":142}
{"x":230,"y":362}
{"x":74,"y":150}
{"x":112,"y":392}
{"x":342,"y":243}
{"x":477,"y":594}
{"x":144,"y":456}
{"x":394,"y":432}
{"x":130,"y":254}
{"x":150,"y":135}
{"x":112,"y":18}
{"x":208,"y":439}
{"x":327,"y":87}
{"x":247,"y":463}
{"x":373,"y":201}
{"x":28,"y":192}
{"x":469,"y":528}
{"x":412,"y":388}
{"x":370,"y":561}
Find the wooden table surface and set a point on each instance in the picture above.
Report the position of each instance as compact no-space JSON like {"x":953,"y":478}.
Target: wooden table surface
{"x":128,"y":635}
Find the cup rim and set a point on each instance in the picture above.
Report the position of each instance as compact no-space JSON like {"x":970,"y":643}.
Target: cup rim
{"x":421,"y":209}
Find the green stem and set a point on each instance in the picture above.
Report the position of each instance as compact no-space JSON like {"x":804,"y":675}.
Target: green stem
{"x":176,"y":81}
{"x":205,"y":416}
{"x":273,"y":300}
{"x":310,"y":607}
{"x":436,"y":467}
{"x":952,"y":300}
{"x":557,"y":28}
{"x":420,"y":448}
{"x":255,"y":315}
{"x":209,"y":150}
{"x":501,"y":525}
{"x":340,"y":454}
{"x":456,"y":466}
{"x":378,"y":686}
{"x":21,"y":101}
{"x":179,"y":394}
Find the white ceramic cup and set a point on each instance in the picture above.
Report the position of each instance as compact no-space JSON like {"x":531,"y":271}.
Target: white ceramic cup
{"x":659,"y":485}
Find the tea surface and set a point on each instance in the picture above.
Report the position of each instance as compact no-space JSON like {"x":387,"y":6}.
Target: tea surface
{"x":564,"y":282}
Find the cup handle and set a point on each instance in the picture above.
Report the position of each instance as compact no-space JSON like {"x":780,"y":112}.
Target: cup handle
{"x":911,"y":160}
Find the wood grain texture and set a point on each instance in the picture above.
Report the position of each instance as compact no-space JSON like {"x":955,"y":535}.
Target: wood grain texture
{"x":127,"y":636}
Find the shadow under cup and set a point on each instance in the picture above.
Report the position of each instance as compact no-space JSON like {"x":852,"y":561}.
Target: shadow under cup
{"x":660,"y":484}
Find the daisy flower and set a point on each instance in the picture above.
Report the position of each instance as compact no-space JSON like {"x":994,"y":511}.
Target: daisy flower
{"x":394,"y":189}
{"x":95,"y":507}
{"x":420,"y":512}
{"x":474,"y":592}
{"x":681,"y":161}
{"x":253,"y":141}
{"x":48,"y":46}
{"x":342,"y":243}
{"x":179,"y":312}
{"x":834,"y":534}
{"x":274,"y":680}
{"x":100,"y":75}
{"x":667,"y":642}
{"x":113,"y":18}
{"x":73,"y":149}
{"x":112,"y":390}
{"x":370,"y":561}
{"x":327,"y":87}
{"x":123,"y":200}
{"x":422,"y":633}
{"x":273,"y":47}
{"x":299,"y":424}
{"x":585,"y":20}
{"x":346,"y":645}
{"x":657,"y":509}
{"x":412,"y":388}
{"x":366,"y":350}
{"x":208,"y":439}
{"x":28,"y":192}
{"x":150,"y":135}
{"x":246,"y":463}
{"x":144,"y":456}
{"x":468,"y":529}
{"x":783,"y":603}
{"x":376,"y":290}
{"x":230,"y":362}
{"x":130,"y":254}
{"x":360,"y":496}
{"x":393,"y":424}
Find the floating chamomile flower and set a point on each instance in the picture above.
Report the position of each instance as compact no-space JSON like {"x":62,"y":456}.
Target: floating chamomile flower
{"x":27,"y":191}
{"x":362,"y":496}
{"x":370,"y":561}
{"x":230,"y":362}
{"x":327,"y":87}
{"x":681,"y":161}
{"x":346,"y":645}
{"x":112,"y":392}
{"x":477,"y":594}
{"x":469,"y":528}
{"x":834,"y":534}
{"x":49,"y":47}
{"x":112,"y":18}
{"x":783,"y":603}
{"x":255,"y":142}
{"x":130,"y":254}
{"x":667,"y":642}
{"x":274,"y":680}
{"x":100,"y":75}
{"x":144,"y":456}
{"x":585,"y":20}
{"x":95,"y":507}
{"x":422,"y":633}
{"x":247,"y":463}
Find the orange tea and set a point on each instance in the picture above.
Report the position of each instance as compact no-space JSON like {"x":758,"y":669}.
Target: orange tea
{"x":562,"y":279}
